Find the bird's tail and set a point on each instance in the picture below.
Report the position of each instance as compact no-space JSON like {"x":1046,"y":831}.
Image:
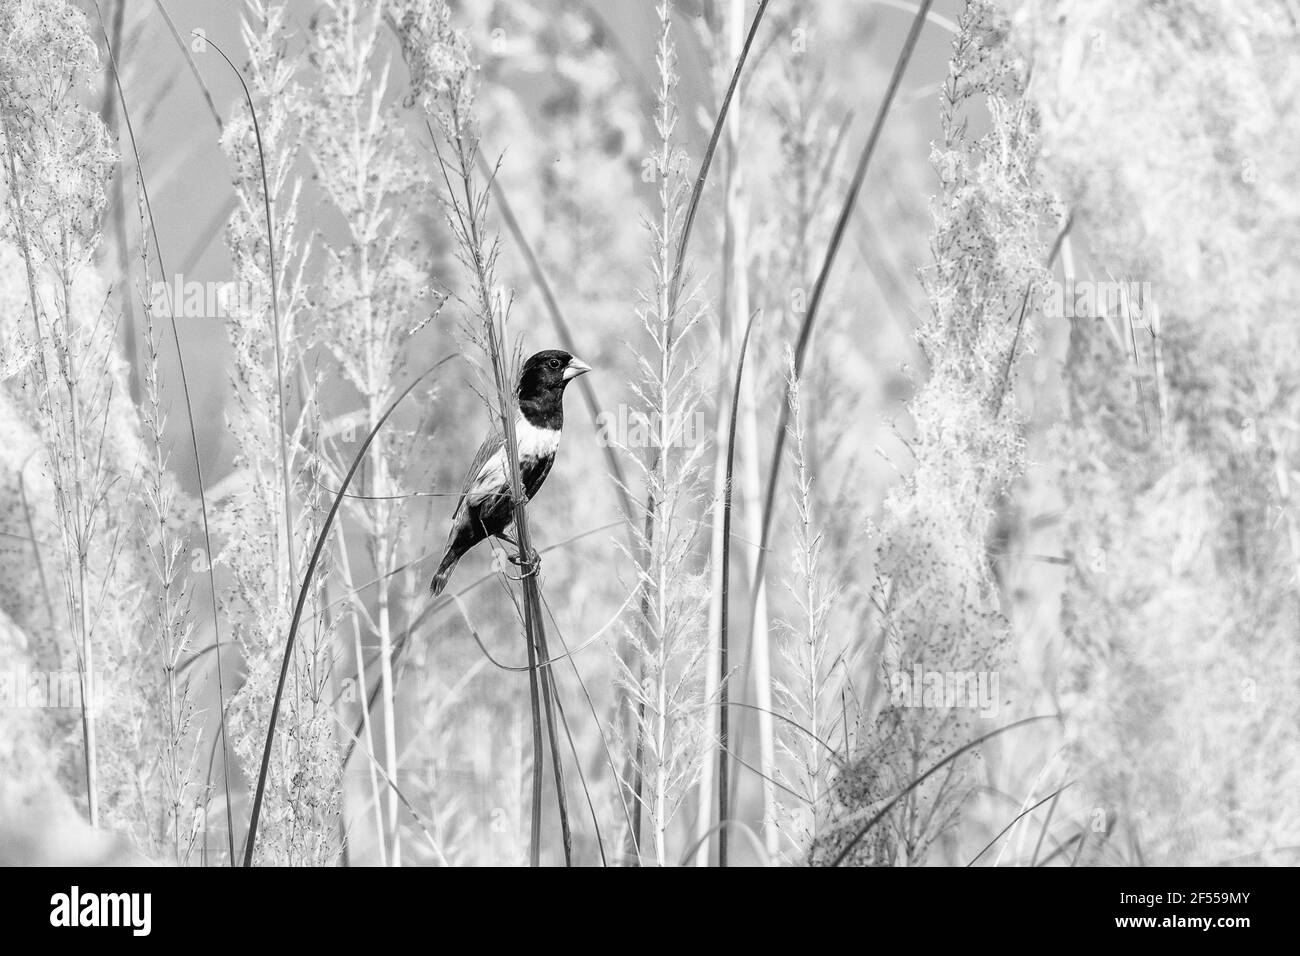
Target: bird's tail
{"x":444,"y":572}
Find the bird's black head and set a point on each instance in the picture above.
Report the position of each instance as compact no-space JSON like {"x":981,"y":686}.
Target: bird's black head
{"x":541,"y":386}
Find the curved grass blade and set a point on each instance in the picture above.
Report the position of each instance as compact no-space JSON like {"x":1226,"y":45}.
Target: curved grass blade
{"x":724,"y":794}
{"x":674,"y":287}
{"x":604,"y":743}
{"x":399,"y":646}
{"x":275,"y":316}
{"x":564,"y":723}
{"x":189,"y":59}
{"x":194,"y":442}
{"x":880,"y":814}
{"x":1016,"y":819}
{"x":321,"y":537}
{"x":561,"y":326}
{"x":791,"y":722}
{"x":1042,"y":834}
{"x":819,"y":289}
{"x":674,"y":290}
{"x":410,"y":808}
{"x":759,"y":850}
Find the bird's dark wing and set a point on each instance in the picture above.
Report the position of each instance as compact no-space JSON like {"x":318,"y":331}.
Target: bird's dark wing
{"x":488,"y":479}
{"x":491,"y":445}
{"x":486,"y":476}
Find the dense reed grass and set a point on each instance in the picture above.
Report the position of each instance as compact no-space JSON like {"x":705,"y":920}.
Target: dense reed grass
{"x":736,"y":625}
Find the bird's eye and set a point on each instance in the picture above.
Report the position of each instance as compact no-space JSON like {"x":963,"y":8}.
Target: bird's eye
{"x":554,"y":363}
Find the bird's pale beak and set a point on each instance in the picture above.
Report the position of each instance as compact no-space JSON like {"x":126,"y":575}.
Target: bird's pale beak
{"x":575,"y":368}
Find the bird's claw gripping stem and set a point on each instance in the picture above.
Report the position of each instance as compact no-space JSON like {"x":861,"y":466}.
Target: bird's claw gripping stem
{"x":528,"y":567}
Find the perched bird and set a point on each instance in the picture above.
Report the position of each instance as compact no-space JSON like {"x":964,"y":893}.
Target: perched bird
{"x":485,"y":509}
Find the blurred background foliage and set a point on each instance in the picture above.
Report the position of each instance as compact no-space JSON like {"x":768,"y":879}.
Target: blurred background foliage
{"x":1095,"y":509}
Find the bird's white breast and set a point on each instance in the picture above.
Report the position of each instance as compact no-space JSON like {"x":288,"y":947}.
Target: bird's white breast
{"x":534,"y":442}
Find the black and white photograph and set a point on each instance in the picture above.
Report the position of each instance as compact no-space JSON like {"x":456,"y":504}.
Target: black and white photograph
{"x":651,"y":433}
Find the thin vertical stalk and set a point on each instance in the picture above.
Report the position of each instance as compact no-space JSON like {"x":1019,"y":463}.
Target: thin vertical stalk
{"x":387,"y":685}
{"x":198,"y":464}
{"x":381,"y":836}
{"x":275,"y":318}
{"x":560,"y":324}
{"x":550,"y":704}
{"x":81,"y":645}
{"x":759,"y":644}
{"x":703,"y":175}
{"x":117,"y":210}
{"x":260,"y":790}
{"x":721,"y":415}
{"x":469,"y":212}
{"x":365,"y":730}
{"x":724,"y":792}
{"x":668,"y":309}
{"x":819,"y":288}
{"x":525,"y":551}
